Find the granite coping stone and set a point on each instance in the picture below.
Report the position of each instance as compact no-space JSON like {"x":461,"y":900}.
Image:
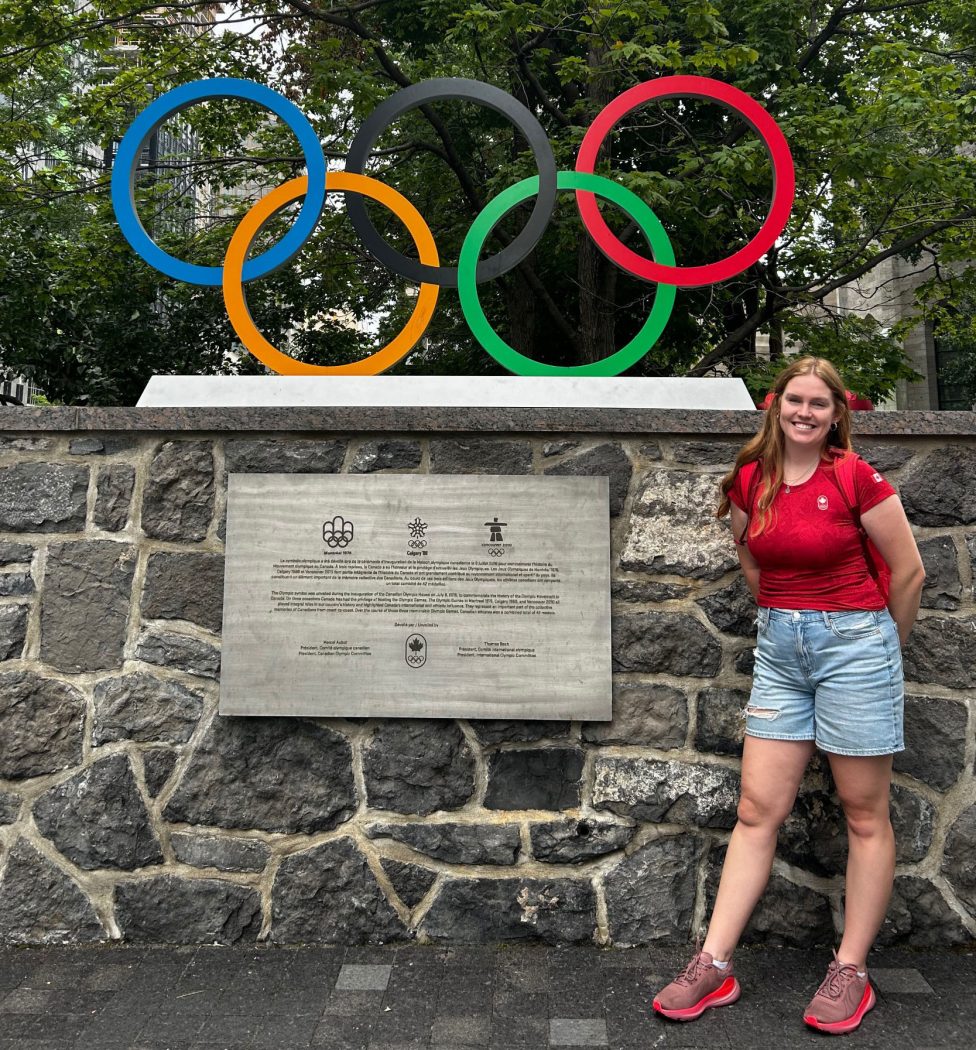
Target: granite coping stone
{"x":454,"y":420}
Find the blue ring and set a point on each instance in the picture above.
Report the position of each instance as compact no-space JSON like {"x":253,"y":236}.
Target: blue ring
{"x":161,"y":109}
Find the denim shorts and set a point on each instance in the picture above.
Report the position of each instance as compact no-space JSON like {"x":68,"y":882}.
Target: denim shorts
{"x":832,"y":677}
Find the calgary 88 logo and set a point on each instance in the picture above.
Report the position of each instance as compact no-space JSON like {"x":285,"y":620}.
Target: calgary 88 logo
{"x":238,"y":268}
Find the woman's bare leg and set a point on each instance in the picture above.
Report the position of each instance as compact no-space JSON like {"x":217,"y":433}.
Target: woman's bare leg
{"x":771,"y":775}
{"x":864,"y":787}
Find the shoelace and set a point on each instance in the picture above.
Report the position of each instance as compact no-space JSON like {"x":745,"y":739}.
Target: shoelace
{"x":837,"y":979}
{"x":692,"y":971}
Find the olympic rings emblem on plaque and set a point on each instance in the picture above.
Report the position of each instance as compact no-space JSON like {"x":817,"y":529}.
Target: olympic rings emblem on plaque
{"x":239,"y":268}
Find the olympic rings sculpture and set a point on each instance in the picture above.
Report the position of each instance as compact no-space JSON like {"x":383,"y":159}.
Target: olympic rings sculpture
{"x":238,"y":267}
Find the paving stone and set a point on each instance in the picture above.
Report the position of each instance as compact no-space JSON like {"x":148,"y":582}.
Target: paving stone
{"x":566,"y":1031}
{"x":358,"y":977}
{"x":896,"y":981}
{"x":466,"y":1031}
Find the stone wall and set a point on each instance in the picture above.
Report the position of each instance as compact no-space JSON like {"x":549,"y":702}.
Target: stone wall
{"x":129,"y":809}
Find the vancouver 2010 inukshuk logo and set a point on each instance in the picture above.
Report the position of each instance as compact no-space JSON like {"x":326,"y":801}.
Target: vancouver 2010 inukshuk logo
{"x":471,"y":270}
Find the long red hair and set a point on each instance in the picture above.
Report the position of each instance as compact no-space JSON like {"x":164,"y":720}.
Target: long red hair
{"x":767,"y":445}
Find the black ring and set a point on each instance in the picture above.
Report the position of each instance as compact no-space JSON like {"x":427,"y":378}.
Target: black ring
{"x":486,"y":95}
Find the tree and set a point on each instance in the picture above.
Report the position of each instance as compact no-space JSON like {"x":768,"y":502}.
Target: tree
{"x":876,"y":98}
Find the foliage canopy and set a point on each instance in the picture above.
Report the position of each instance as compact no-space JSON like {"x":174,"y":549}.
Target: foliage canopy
{"x":876,"y":97}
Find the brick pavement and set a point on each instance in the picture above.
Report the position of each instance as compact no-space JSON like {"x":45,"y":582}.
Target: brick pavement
{"x":435,"y":998}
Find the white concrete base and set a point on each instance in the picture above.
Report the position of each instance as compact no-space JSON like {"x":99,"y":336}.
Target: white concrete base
{"x":442,"y":392}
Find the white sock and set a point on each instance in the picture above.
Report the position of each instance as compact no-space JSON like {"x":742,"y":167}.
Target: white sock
{"x":721,"y":965}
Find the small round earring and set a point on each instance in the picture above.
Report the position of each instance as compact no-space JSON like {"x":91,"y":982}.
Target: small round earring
{"x":833,"y":426}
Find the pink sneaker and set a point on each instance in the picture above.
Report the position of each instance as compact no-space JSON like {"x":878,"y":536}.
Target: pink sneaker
{"x":699,"y":986}
{"x":841,"y":1001}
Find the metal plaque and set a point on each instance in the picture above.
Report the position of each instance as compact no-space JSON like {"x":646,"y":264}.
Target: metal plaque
{"x":417,"y":596}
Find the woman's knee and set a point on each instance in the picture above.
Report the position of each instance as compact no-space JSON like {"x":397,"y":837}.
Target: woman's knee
{"x":869,"y":823}
{"x":759,"y":814}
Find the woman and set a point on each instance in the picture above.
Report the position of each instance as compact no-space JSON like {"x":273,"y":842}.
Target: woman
{"x":828,"y":675}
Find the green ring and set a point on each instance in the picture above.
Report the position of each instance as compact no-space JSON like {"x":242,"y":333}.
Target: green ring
{"x":496,"y":209}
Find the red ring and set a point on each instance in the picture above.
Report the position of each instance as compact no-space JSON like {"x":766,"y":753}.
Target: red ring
{"x":784,"y":180}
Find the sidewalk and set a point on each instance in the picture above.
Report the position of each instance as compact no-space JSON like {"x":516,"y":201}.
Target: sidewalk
{"x":408,"y":997}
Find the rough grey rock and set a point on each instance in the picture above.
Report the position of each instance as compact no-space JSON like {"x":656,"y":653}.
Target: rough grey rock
{"x":651,"y":894}
{"x":217,"y":851}
{"x":178,"y":501}
{"x":943,"y":584}
{"x":386,"y":455}
{"x":648,"y":789}
{"x":275,"y":774}
{"x":85,"y":604}
{"x":410,"y":881}
{"x":535,"y":778}
{"x":557,"y":448}
{"x":651,"y":450}
{"x":485,"y":911}
{"x":114,"y":497}
{"x":814,"y":836}
{"x":13,"y":631}
{"x":919,"y":915}
{"x":664,"y":643}
{"x":179,"y":651}
{"x":157,"y":765}
{"x":941,"y":652}
{"x":41,"y":725}
{"x":39,"y":904}
{"x":787,"y":914}
{"x":705,"y":453}
{"x":9,"y":807}
{"x":913,"y":819}
{"x":142,"y":707}
{"x":939,"y":490}
{"x":185,"y":587}
{"x":745,"y":661}
{"x":248,"y":456}
{"x":673,"y":528}
{"x":957,"y":864}
{"x":13,"y":553}
{"x":456,"y":843}
{"x":85,"y":446}
{"x":720,"y":725}
{"x":16,"y":584}
{"x":97,"y":818}
{"x":573,"y":841}
{"x":418,"y":766}
{"x":607,"y":460}
{"x":479,"y":456}
{"x":652,"y":715}
{"x":25,"y":444}
{"x":732,"y":609}
{"x":43,"y":497}
{"x":935,"y":741}
{"x":172,"y":910}
{"x":646,"y":591}
{"x":884,"y":457}
{"x":329,"y":895}
{"x":501,"y":731}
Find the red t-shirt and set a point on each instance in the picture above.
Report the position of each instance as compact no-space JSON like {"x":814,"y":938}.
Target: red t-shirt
{"x":811,"y":556}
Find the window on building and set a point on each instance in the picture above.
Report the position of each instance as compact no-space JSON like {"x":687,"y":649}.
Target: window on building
{"x":954,"y":392}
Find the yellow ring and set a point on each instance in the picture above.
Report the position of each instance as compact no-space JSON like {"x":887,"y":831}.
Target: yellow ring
{"x":240,"y":244}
